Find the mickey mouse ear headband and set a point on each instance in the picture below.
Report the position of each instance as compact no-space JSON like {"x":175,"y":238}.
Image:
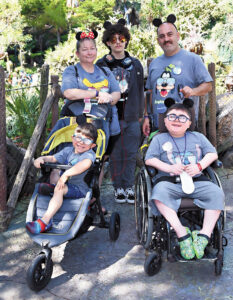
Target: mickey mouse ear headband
{"x":170,"y":19}
{"x":187,"y":103}
{"x":90,"y":34}
{"x":108,"y":25}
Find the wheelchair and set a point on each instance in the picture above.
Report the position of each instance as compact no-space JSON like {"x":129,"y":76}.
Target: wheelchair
{"x":157,"y":236}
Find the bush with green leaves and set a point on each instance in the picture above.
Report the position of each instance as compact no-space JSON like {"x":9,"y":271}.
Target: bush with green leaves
{"x":22,"y":115}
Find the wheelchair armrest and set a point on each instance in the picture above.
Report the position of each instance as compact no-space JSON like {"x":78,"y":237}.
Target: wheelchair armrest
{"x":217,"y":164}
{"x":151,"y":171}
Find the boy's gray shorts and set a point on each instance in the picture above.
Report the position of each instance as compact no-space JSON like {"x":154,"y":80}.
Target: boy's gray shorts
{"x":207,"y":195}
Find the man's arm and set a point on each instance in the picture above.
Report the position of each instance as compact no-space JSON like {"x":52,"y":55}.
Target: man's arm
{"x":201,"y":90}
{"x":146,"y":122}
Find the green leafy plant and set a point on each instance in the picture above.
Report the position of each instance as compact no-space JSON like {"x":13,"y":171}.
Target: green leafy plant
{"x":22,"y":115}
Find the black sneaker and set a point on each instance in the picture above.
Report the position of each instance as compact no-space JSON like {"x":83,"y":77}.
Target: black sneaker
{"x":46,"y":189}
{"x":120,"y":196}
{"x":130,"y":195}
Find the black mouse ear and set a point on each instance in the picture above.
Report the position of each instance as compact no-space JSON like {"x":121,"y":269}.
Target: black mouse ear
{"x":121,"y":21}
{"x":78,"y":34}
{"x":188,"y":103}
{"x":107,"y":24}
{"x":169,"y":102}
{"x":171,"y":18}
{"x":95,"y":33}
{"x":157,"y":22}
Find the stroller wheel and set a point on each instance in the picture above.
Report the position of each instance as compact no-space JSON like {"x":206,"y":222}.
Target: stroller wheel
{"x":152,"y":264}
{"x":38,"y":274}
{"x":218,"y":267}
{"x":114,"y":226}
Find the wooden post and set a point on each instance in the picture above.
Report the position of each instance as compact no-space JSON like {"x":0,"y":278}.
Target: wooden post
{"x":20,"y":178}
{"x":44,"y":73}
{"x":44,"y":81}
{"x":55,"y":110}
{"x":4,"y":213}
{"x":3,"y":181}
{"x":202,"y":115}
{"x":212,"y":107}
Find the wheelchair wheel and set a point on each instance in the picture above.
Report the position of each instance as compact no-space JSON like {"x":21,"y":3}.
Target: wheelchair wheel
{"x":114,"y":226}
{"x":38,"y":275}
{"x":152,"y":264}
{"x":144,"y":224}
{"x":218,"y":266}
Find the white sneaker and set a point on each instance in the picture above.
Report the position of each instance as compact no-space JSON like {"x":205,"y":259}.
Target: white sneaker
{"x":120,"y":196}
{"x":130,"y":195}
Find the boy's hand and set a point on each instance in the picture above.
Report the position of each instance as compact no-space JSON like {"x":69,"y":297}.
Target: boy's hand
{"x":38,"y":162}
{"x":61,"y":182}
{"x":192,"y":169}
{"x":177,"y":169}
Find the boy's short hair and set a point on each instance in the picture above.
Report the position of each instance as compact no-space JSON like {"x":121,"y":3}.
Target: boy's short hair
{"x":179,"y":106}
{"x":89,"y":130}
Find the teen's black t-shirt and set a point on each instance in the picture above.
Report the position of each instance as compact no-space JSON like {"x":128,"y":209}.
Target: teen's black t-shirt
{"x":121,"y":72}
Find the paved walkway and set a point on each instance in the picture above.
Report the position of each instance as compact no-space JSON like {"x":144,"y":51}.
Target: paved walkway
{"x":93,"y":267}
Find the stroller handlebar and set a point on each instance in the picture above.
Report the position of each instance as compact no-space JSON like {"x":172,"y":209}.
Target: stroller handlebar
{"x":47,"y":166}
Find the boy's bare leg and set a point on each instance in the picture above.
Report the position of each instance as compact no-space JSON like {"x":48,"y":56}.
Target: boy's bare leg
{"x":54,"y":204}
{"x":210,"y":219}
{"x":171,"y":216}
{"x":54,"y":176}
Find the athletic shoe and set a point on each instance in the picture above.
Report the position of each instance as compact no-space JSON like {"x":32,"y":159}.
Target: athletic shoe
{"x":120,"y":196}
{"x":130,"y":195}
{"x":38,"y":226}
{"x":46,"y":189}
{"x":200,"y":241}
{"x":186,"y":245}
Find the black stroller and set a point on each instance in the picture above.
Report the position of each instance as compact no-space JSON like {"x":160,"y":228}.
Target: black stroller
{"x":75,"y":216}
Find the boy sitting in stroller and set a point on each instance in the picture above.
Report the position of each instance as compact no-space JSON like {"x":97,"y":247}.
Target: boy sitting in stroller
{"x":71,"y":183}
{"x":180,"y":156}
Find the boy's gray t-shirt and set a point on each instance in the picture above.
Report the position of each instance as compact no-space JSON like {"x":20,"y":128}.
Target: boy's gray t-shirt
{"x":190,"y":151}
{"x":98,"y":80}
{"x":168,"y":74}
{"x":67,"y":156}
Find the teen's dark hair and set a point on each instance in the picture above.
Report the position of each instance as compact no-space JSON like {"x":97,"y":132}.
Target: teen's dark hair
{"x":87,"y":129}
{"x":179,"y":106}
{"x":115,"y":29}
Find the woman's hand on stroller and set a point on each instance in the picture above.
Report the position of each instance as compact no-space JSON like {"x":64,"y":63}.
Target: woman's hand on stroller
{"x":104,"y":98}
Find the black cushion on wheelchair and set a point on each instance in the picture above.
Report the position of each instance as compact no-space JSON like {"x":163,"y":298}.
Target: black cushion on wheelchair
{"x":187,"y":204}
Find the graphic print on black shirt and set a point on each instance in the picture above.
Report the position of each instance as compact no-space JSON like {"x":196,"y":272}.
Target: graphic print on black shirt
{"x":122,"y":76}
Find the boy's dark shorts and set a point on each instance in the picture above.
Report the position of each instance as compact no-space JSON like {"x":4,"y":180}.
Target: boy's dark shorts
{"x":73,"y":191}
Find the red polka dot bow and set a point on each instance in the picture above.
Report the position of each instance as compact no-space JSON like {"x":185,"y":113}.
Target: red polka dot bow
{"x":87,"y":35}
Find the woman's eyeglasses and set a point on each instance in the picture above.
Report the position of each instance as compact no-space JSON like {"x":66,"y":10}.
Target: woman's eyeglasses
{"x":120,"y":38}
{"x":83,"y":140}
{"x":180,"y":118}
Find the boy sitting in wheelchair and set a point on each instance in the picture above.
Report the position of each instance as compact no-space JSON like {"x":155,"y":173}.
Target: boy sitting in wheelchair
{"x":69,"y":184}
{"x":180,"y":156}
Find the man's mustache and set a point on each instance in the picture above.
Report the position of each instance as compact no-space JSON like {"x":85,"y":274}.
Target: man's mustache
{"x":168,"y":42}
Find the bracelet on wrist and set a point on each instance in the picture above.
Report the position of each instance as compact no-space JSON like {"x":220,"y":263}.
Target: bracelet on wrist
{"x":96,"y":93}
{"x":199,"y":167}
{"x":146,"y":117}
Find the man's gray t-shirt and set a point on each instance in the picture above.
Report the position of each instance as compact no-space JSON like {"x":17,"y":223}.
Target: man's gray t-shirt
{"x":169,"y":74}
{"x":98,"y":80}
{"x":189,"y":149}
{"x":67,"y":156}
